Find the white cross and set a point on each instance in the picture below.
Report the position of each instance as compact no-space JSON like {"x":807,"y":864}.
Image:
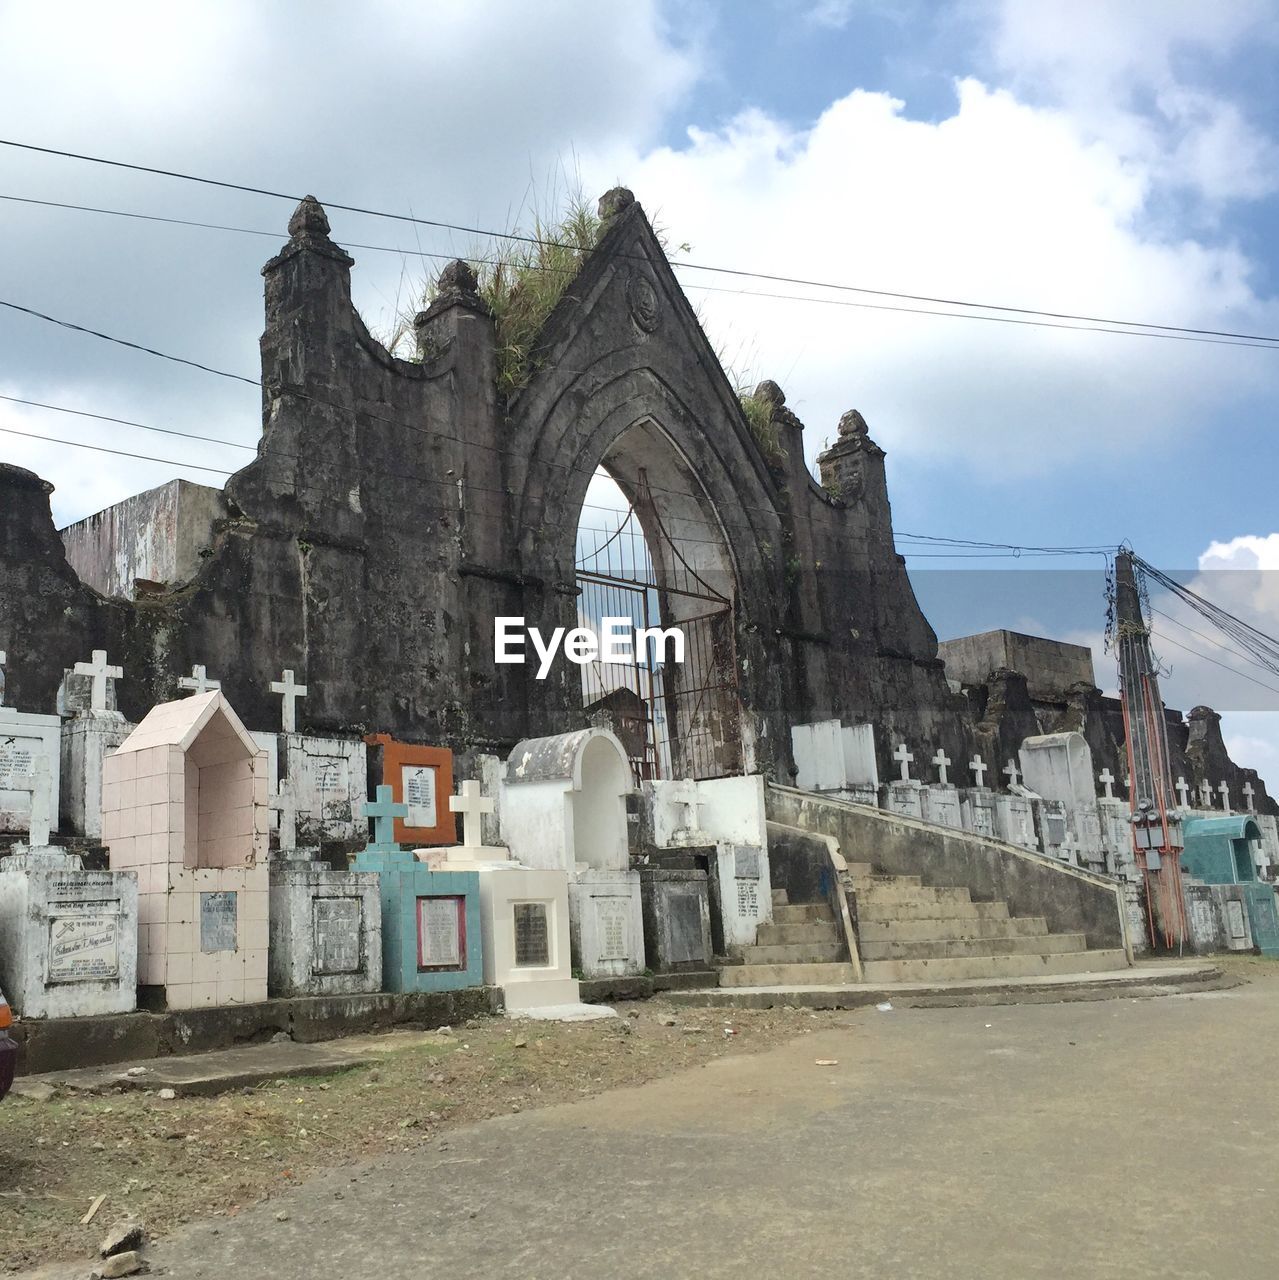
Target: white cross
{"x":289,"y":693}
{"x":942,"y":761}
{"x":469,"y":803}
{"x":4,"y":657}
{"x":198,"y":681}
{"x":1107,"y":780}
{"x":1205,"y":794}
{"x":40,"y":822}
{"x":285,"y":804}
{"x":685,"y":793}
{"x":100,"y":673}
{"x":1070,"y":848}
{"x":1183,"y":792}
{"x":979,"y":767}
{"x":1224,"y":791}
{"x":904,"y":758}
{"x":1248,"y":792}
{"x":1011,"y":770}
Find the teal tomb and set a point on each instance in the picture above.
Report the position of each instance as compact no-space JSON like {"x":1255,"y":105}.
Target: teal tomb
{"x":430,"y":919}
{"x":1220,"y":851}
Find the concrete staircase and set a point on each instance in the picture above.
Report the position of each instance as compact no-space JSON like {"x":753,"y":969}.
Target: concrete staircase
{"x":909,"y":932}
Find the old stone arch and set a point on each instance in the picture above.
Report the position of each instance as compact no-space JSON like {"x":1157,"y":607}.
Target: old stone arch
{"x":664,"y":561}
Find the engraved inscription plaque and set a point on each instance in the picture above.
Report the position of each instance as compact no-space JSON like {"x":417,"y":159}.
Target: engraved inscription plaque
{"x":336,"y":928}
{"x":612,"y":930}
{"x":84,"y":943}
{"x":218,"y":914}
{"x":441,"y":933}
{"x":532,"y":935}
{"x":419,"y":794}
{"x":748,"y":899}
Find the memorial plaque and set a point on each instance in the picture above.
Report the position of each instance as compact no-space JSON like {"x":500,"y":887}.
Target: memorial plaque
{"x":84,"y":942}
{"x":441,"y":933}
{"x":218,"y":918}
{"x":1234,"y":918}
{"x":15,"y":763}
{"x":332,"y":777}
{"x":532,"y":935}
{"x":612,"y":929}
{"x":419,"y":794}
{"x":748,"y":899}
{"x":337,"y":927}
{"x":684,"y":928}
{"x":746,"y":864}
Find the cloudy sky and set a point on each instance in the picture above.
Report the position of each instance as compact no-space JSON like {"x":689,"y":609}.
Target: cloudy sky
{"x":1114,"y":160}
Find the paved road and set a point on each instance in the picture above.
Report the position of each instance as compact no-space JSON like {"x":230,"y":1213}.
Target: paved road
{"x":1118,"y":1139}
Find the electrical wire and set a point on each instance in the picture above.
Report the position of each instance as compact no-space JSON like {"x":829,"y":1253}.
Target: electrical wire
{"x":774,"y":278}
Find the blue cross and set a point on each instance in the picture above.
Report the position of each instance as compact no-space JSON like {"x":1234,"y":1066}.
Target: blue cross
{"x":384,"y":812}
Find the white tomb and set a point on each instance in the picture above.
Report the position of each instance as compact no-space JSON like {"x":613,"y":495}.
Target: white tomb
{"x":29,"y":746}
{"x":184,"y":804}
{"x":329,"y":777}
{"x":727,"y":814}
{"x":563,"y":807}
{"x":836,"y":759}
{"x":92,"y":730}
{"x":68,"y":937}
{"x":524,"y":918}
{"x":977,"y":803}
{"x":1058,"y":768}
{"x":1014,"y":812}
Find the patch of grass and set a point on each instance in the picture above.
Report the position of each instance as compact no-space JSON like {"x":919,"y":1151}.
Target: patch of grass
{"x":759,"y":417}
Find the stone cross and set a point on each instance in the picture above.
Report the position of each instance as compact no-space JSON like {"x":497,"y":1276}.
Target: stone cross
{"x":384,"y":811}
{"x":942,"y":761}
{"x":289,"y":693}
{"x":1011,"y":770}
{"x":471,"y":804}
{"x":1183,"y":792}
{"x":100,"y":674}
{"x":198,"y":681}
{"x":4,"y":657}
{"x":904,"y":758}
{"x":41,"y":821}
{"x":1224,"y":791}
{"x":286,"y":805}
{"x":1205,"y":794}
{"x":979,"y":767}
{"x":1248,"y":792}
{"x":1070,"y":848}
{"x":1107,"y":780}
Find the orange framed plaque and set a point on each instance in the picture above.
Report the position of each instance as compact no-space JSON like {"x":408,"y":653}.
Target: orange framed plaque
{"x":420,"y":777}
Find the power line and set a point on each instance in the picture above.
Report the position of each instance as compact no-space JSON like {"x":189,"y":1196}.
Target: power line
{"x":1243,"y":338}
{"x":1243,"y":675}
{"x":1168,"y":332}
{"x":126,"y":422}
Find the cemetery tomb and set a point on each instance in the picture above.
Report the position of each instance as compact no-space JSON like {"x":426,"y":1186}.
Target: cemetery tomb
{"x":29,"y":747}
{"x":725,"y":817}
{"x":68,"y":937}
{"x":184,"y":805}
{"x":524,"y":916}
{"x":326,"y":929}
{"x":836,"y":759}
{"x":677,"y":918}
{"x":421,"y":779}
{"x":563,"y":808}
{"x":977,"y":810}
{"x":88,"y":736}
{"x":1219,"y":851}
{"x":1015,"y":821}
{"x":329,"y":778}
{"x":430,"y":919}
{"x":941,"y":805}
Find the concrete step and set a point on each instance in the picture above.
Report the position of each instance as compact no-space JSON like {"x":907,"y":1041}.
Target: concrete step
{"x":887,"y":911}
{"x":1002,"y":966}
{"x":802,"y":913}
{"x":860,"y":870}
{"x":875,"y":880}
{"x":781,"y":935}
{"x":872,"y":930}
{"x":954,"y":948}
{"x":786,"y":975}
{"x":877,"y":892}
{"x":828,"y":952}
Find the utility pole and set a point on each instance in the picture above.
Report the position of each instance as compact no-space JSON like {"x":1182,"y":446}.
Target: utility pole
{"x":1156,"y":827}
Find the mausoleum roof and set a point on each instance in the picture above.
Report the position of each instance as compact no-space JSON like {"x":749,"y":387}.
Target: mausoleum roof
{"x":181,"y":723}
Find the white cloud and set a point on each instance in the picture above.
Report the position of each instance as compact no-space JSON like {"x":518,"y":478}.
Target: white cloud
{"x":1001,"y":201}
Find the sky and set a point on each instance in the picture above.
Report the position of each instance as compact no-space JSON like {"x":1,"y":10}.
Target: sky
{"x":1073,"y":156}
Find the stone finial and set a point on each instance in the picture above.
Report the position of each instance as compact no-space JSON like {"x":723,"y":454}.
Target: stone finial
{"x":853,"y":424}
{"x":309,"y":218}
{"x":612,"y":202}
{"x":770,"y":393}
{"x":458,"y":281}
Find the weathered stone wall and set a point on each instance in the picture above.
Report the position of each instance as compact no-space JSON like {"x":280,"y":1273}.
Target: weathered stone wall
{"x":396,"y":507}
